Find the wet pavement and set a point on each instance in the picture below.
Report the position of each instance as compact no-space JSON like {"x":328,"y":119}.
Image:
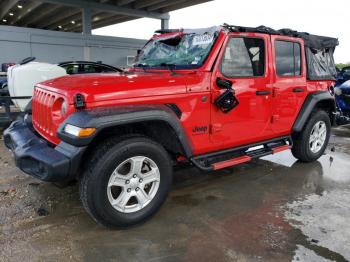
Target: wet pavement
{"x":272,"y":209}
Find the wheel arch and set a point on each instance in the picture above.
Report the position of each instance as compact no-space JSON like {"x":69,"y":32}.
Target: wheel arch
{"x":157,"y":122}
{"x":320,"y":100}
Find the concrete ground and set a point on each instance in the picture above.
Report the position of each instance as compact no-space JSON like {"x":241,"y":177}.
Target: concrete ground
{"x":272,"y":209}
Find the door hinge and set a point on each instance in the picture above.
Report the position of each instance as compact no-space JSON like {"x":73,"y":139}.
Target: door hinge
{"x":214,"y":128}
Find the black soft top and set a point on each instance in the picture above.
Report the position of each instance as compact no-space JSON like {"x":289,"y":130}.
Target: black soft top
{"x":312,"y":41}
{"x":319,"y":50}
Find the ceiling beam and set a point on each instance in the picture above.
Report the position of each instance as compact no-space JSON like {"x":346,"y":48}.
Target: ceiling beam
{"x":124,"y":2}
{"x":42,"y":15}
{"x":109,"y":8}
{"x":27,"y":9}
{"x":101,"y":17}
{"x":65,"y":21}
{"x":59,"y":17}
{"x":164,"y":4}
{"x":144,"y":3}
{"x":183,"y":4}
{"x":6,"y":7}
{"x":112,"y":22}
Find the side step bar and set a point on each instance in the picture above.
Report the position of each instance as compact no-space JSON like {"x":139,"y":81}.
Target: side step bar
{"x":242,"y":154}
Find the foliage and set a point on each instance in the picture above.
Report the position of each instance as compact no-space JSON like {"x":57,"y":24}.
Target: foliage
{"x":340,"y":66}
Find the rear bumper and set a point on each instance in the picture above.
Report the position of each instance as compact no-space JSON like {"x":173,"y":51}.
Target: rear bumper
{"x":34,"y":156}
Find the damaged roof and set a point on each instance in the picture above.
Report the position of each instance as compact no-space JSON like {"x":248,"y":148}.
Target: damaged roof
{"x":310,"y":40}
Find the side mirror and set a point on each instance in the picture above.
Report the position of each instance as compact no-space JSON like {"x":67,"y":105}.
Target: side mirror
{"x":224,"y":83}
{"x":139,"y":51}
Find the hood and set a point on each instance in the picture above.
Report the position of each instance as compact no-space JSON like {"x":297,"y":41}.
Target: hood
{"x":111,"y":86}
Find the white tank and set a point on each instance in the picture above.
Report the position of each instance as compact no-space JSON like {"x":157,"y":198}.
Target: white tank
{"x":22,"y":79}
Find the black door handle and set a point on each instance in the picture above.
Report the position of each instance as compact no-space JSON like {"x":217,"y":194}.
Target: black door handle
{"x":298,"y":90}
{"x":263,"y":93}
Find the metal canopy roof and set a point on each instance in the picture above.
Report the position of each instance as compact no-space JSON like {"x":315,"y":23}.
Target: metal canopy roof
{"x":71,"y":15}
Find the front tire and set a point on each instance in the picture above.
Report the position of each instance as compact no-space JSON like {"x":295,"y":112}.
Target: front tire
{"x":126,"y":182}
{"x":310,"y":144}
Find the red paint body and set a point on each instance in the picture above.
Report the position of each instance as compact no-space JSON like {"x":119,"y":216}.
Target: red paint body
{"x":257,"y":118}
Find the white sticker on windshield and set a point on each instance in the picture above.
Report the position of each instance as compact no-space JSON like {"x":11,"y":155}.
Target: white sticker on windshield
{"x":202,"y":39}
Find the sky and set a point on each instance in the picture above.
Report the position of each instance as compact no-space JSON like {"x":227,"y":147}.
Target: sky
{"x":328,"y":18}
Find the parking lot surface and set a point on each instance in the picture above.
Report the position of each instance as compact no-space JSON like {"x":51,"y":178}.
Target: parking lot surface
{"x":272,"y":209}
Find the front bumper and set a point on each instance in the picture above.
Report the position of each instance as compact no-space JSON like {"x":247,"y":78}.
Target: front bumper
{"x":34,"y":156}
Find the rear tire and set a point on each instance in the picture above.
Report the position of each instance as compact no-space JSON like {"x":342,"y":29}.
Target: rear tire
{"x":312,"y":141}
{"x":126,"y":181}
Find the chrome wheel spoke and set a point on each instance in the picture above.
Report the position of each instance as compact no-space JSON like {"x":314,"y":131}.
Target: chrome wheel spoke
{"x":312,"y":138}
{"x":150,"y":176}
{"x":313,"y":146}
{"x":136,"y":164}
{"x":122,"y":200}
{"x":117,"y":180}
{"x":142,"y":197}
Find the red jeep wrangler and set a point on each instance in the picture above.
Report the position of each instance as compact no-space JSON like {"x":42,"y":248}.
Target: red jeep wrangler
{"x":213,"y":97}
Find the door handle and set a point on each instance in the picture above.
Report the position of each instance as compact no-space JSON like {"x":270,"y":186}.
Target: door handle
{"x":298,"y":89}
{"x":263,"y":93}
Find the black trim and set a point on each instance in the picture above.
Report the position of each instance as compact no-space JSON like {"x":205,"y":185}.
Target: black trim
{"x":176,"y":109}
{"x":263,"y":93}
{"x":309,"y":105}
{"x":34,"y":156}
{"x":102,"y":118}
{"x":298,"y":90}
{"x":100,"y":64}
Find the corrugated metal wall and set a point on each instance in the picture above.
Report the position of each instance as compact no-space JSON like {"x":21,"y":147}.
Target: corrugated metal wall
{"x":17,"y":43}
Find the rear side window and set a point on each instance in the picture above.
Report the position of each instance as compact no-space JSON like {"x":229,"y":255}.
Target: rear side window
{"x":288,"y":58}
{"x":244,"y":57}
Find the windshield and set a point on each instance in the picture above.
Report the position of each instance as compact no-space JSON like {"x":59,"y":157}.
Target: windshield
{"x":184,"y":50}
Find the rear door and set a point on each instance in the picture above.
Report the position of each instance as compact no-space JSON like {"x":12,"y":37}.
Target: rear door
{"x":289,"y":82}
{"x":244,"y":62}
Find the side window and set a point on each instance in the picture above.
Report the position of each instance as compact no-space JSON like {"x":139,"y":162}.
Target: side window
{"x":244,"y":57}
{"x":104,"y":69}
{"x":87,"y":68}
{"x":288,"y":58}
{"x":71,"y":69}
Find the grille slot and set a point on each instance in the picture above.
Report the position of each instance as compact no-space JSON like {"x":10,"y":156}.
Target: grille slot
{"x":43,"y":102}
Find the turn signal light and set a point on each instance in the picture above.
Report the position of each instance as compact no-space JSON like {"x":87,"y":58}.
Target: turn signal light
{"x":87,"y":132}
{"x":79,"y":132}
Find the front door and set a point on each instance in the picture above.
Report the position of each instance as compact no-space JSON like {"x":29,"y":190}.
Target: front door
{"x":244,"y":62}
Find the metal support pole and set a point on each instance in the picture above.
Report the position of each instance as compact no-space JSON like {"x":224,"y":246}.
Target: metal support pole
{"x":164,"y":24}
{"x":87,"y":27}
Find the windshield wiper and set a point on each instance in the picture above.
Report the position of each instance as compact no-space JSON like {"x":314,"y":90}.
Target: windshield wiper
{"x":171,"y":68}
{"x":144,"y":67}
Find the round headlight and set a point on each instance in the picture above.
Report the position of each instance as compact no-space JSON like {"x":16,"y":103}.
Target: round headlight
{"x":64,"y":108}
{"x":337,"y":91}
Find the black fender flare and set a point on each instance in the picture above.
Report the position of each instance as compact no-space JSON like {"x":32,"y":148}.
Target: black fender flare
{"x":102,"y":118}
{"x":309,"y":105}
